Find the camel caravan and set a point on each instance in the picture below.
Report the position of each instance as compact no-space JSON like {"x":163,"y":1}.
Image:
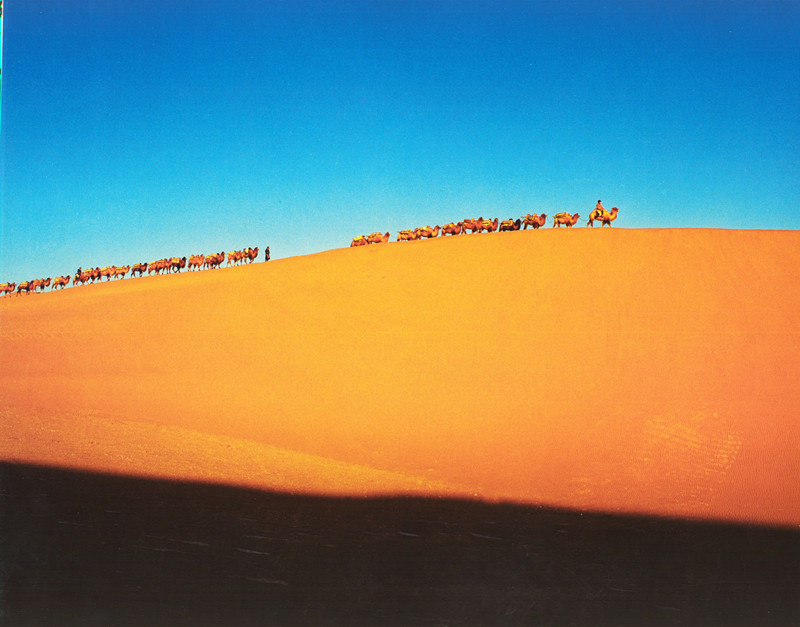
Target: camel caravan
{"x":111,"y":273}
{"x":481,"y":225}
{"x":249,"y":255}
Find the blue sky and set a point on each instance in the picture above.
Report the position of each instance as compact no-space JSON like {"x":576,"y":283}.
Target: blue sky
{"x":138,"y":130}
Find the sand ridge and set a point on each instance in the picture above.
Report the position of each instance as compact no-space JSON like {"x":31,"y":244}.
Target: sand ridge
{"x":644,"y":371}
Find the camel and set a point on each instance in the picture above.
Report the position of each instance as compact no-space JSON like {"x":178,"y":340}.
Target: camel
{"x":427,"y":231}
{"x":407,"y":235}
{"x":25,"y":286}
{"x":139,"y":267}
{"x":39,"y":284}
{"x":377,"y":238}
{"x":84,"y":276}
{"x":533,"y":220}
{"x":120,"y":272}
{"x":565,"y":219}
{"x":360,"y":240}
{"x":489,"y":225}
{"x":239,"y":257}
{"x":176,"y":264}
{"x":195,"y":262}
{"x":60,"y":281}
{"x":159,"y":265}
{"x":605,"y":217}
{"x":7,"y":288}
{"x":214,"y":261}
{"x":511,"y":225}
{"x":471,"y":225}
{"x":452,"y":228}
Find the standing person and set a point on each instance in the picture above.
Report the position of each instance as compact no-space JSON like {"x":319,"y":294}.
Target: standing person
{"x":266,"y":254}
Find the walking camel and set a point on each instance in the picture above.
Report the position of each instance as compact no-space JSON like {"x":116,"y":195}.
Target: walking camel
{"x":565,"y":219}
{"x":427,"y":231}
{"x":511,"y":225}
{"x":533,"y":220}
{"x":377,"y":238}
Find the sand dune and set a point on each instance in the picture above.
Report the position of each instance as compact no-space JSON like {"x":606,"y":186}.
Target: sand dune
{"x":651,"y":371}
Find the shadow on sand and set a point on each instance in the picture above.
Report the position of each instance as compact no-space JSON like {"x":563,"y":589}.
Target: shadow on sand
{"x":90,"y":549}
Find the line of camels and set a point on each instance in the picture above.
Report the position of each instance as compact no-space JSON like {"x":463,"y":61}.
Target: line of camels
{"x":171,"y":265}
{"x":479,"y":225}
{"x":248,"y":255}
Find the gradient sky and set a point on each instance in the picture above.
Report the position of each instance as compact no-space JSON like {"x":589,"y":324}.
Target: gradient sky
{"x":138,"y":130}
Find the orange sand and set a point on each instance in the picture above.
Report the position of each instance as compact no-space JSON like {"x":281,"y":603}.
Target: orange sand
{"x":652,"y":371}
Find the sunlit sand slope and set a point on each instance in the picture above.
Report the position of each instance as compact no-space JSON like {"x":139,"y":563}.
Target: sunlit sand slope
{"x":653,"y":371}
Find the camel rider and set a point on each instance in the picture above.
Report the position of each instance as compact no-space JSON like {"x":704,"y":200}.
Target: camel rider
{"x":599,"y":210}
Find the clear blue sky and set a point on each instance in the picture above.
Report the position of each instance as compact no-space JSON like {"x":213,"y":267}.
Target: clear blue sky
{"x":138,"y":130}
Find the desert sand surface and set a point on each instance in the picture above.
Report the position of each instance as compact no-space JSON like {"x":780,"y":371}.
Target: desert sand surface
{"x":622,"y":371}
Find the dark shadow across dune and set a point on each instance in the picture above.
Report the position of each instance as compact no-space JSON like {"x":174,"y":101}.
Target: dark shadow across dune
{"x":90,"y":549}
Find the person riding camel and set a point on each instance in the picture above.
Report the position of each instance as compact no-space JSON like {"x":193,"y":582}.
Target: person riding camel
{"x":599,"y":210}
